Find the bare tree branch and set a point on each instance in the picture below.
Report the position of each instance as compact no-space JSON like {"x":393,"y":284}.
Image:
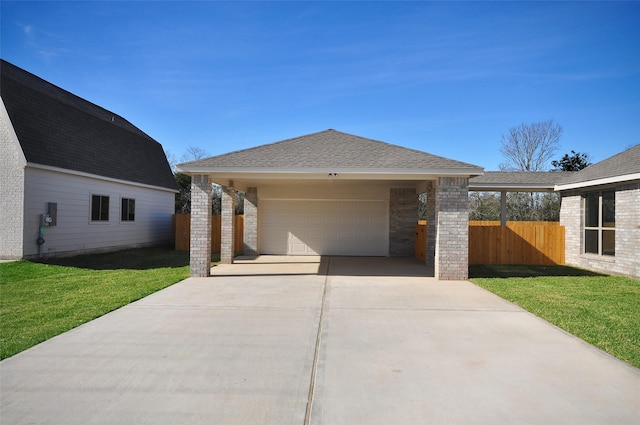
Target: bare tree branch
{"x":529,"y":147}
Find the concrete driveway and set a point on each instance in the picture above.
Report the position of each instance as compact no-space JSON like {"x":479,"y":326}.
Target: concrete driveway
{"x":318,"y":341}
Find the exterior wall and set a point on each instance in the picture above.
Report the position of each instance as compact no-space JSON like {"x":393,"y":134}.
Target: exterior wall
{"x":12,"y":163}
{"x":452,"y":229}
{"x":251,"y":221}
{"x":403,"y":215}
{"x":571,"y":217}
{"x":74,"y":232}
{"x":227,"y":229}
{"x":430,"y":255}
{"x":626,"y":260}
{"x":200,"y":248}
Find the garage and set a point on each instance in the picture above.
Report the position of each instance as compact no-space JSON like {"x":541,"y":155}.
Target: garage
{"x":324,"y":227}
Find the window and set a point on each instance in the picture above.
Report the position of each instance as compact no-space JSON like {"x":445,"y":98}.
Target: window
{"x":99,"y":208}
{"x":600,"y":223}
{"x":128,"y":209}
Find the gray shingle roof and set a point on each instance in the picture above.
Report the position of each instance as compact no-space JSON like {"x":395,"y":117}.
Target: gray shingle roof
{"x":332,"y":149}
{"x":59,"y":129}
{"x":531,"y":179}
{"x":622,"y":164}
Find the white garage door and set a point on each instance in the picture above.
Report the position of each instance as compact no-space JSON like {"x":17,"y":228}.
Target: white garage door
{"x":323,"y":227}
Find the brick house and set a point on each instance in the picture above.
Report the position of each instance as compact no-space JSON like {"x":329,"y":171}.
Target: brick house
{"x":601,"y":214}
{"x":332,"y":193}
{"x":86,"y":176}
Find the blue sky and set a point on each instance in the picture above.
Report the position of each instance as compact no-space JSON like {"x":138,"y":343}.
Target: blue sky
{"x":447,"y":78}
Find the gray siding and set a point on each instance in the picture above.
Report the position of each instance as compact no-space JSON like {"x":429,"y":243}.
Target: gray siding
{"x":75,"y":233}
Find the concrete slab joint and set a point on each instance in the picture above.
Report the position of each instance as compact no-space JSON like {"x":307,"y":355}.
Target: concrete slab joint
{"x":200,"y":251}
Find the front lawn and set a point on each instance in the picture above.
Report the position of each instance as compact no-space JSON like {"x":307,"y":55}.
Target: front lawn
{"x":39,"y":300}
{"x":602,"y":310}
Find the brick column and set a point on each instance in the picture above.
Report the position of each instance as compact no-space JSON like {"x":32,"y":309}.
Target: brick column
{"x":251,"y":221}
{"x":227,"y":226}
{"x":431,"y":224}
{"x":200,"y":250}
{"x":452,"y":231}
{"x":403,"y":216}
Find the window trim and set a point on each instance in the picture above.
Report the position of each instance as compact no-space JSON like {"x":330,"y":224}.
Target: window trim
{"x":600,"y":228}
{"x":100,"y":220}
{"x":127,"y":220}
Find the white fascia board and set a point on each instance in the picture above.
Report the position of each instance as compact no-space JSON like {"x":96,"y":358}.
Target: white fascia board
{"x":344,"y":173}
{"x":497,"y":187}
{"x":598,"y":182}
{"x":97,"y":177}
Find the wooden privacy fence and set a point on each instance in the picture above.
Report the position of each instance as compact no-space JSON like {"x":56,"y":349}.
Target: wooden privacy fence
{"x":520,"y":242}
{"x":182,"y":226}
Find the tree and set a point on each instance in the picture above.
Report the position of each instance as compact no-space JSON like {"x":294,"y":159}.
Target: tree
{"x":574,"y":162}
{"x":183,"y":197}
{"x":528,"y":147}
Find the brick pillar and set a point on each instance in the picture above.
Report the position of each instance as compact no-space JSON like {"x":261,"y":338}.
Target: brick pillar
{"x":251,"y":221}
{"x":200,"y":251}
{"x":452,"y":229}
{"x":431,"y":224}
{"x":227,"y":226}
{"x":403,"y":215}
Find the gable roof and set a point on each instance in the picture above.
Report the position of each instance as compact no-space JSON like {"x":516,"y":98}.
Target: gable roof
{"x":621,"y":167}
{"x":59,"y":129}
{"x":331,"y":150}
{"x":514,"y":181}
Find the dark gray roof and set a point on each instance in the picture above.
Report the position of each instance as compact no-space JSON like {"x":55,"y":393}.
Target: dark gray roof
{"x":531,"y":180}
{"x":59,"y":129}
{"x":332,"y":149}
{"x":620,"y":165}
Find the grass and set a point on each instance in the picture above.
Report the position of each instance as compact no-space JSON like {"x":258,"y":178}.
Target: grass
{"x":39,"y":300}
{"x":602,"y":310}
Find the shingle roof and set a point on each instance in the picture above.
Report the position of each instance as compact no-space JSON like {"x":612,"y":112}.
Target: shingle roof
{"x":59,"y":129}
{"x":332,"y":149}
{"x":620,"y":165}
{"x":533,"y":180}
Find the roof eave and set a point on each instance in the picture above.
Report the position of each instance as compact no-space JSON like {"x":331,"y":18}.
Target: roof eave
{"x":502,"y":187}
{"x":598,"y":182}
{"x":336,"y":172}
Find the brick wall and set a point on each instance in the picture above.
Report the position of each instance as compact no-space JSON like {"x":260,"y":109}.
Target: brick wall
{"x":452,"y":229}
{"x":12,"y":200}
{"x":200,"y":250}
{"x":431,"y":224}
{"x":403,"y":215}
{"x":626,"y":260}
{"x":227,"y":226}
{"x":251,"y":221}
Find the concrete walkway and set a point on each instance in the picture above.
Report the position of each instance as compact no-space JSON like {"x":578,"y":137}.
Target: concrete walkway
{"x":368,"y":341}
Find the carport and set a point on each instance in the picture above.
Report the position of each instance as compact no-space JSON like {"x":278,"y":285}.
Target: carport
{"x":333,"y":194}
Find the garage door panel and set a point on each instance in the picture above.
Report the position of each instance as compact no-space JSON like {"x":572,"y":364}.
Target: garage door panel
{"x":323,"y":227}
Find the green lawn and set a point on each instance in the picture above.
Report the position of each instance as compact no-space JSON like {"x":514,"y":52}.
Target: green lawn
{"x":602,"y":310}
{"x":41,"y":300}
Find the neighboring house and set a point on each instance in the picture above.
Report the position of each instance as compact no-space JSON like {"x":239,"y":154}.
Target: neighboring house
{"x":601,"y":214}
{"x":95,"y":181}
{"x":332,"y":193}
